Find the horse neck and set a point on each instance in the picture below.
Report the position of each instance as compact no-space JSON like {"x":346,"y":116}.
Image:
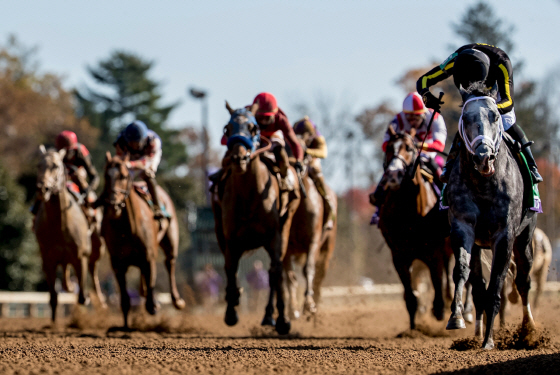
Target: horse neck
{"x":250,"y":181}
{"x":474,"y":177}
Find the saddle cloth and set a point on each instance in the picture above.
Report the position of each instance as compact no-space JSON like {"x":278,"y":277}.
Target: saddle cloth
{"x":142,"y":190}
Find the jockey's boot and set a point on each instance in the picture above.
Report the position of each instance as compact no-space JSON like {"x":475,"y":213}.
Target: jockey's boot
{"x":215,"y":178}
{"x":517,"y":133}
{"x":526,"y":150}
{"x":453,"y":152}
{"x":152,"y":188}
{"x":329,"y":206}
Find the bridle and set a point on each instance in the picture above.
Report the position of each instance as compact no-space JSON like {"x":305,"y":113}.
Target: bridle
{"x":407,"y":165}
{"x":126,"y":192}
{"x":53,"y":183}
{"x":494,"y":144}
{"x":252,"y":155}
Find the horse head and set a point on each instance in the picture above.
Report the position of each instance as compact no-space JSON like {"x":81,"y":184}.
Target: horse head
{"x":399,"y":158}
{"x":243,"y":136}
{"x":51,"y":175}
{"x":118,"y":182}
{"x":480,"y":126}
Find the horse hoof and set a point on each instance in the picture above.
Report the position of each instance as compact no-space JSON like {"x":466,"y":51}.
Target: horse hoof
{"x":310,"y":308}
{"x":455,"y":323}
{"x":268,"y":321}
{"x":231,"y":317}
{"x":283,"y":327}
{"x":488,"y":345}
{"x":438,"y":314}
{"x":295,"y":315}
{"x":179,"y":304}
{"x":152,"y":308}
{"x":469,"y":318}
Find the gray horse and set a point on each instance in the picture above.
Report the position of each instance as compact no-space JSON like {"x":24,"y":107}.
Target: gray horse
{"x":485,"y":195}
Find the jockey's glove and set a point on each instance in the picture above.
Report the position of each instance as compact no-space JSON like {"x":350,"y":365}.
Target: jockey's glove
{"x":298,"y":166}
{"x":431,"y":101}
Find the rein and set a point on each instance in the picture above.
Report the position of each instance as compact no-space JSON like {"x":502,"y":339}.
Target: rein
{"x":484,"y":139}
{"x":263,"y":149}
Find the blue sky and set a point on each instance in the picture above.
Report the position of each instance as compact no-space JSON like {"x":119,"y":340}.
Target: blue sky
{"x":353,"y":49}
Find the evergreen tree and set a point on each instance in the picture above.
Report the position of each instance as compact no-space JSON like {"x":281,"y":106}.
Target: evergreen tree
{"x":20,"y":262}
{"x":127,"y":93}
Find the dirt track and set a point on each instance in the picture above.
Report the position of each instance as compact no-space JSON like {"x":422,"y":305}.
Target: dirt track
{"x":354,"y":340}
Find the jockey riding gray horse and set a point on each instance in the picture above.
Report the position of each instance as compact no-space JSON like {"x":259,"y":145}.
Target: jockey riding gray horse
{"x":485,"y":196}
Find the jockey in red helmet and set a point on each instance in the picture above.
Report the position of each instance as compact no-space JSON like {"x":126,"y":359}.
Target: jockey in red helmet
{"x":79,"y":167}
{"x":415,"y":115}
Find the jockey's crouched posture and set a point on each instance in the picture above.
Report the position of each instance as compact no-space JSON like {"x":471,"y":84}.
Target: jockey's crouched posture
{"x":144,"y":147}
{"x":479,"y":63}
{"x":316,"y":149}
{"x":273,"y":124}
{"x":79,"y":168}
{"x":415,"y":116}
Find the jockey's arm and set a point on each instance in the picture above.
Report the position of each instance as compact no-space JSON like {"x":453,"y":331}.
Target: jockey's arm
{"x":438,"y":133}
{"x":152,"y":157}
{"x":84,"y":160}
{"x":291,"y":138}
{"x":320,"y":150}
{"x":437,"y":74}
{"x":505,"y":87}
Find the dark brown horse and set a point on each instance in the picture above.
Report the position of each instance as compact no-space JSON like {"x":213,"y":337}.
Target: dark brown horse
{"x":62,"y":229}
{"x":248,"y":214}
{"x":413,"y":229}
{"x":311,"y":246}
{"x":133,"y":235}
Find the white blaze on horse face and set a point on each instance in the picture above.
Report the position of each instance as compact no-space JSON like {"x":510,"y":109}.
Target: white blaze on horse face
{"x":395,"y":173}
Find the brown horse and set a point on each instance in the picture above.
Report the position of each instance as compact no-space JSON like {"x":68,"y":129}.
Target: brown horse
{"x":311,"y":246}
{"x":248,"y":214}
{"x":133,"y":235}
{"x":62,"y":229}
{"x":413,"y":228}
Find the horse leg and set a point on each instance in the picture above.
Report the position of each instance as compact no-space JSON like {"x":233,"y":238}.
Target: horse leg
{"x":94,"y":272}
{"x":120,"y":274}
{"x":275,"y":277}
{"x":503,"y":304}
{"x":232,"y":291}
{"x":403,"y":269}
{"x":437,"y":271}
{"x":469,"y":306}
{"x":66,"y":280}
{"x":309,"y":273}
{"x":523,"y":249}
{"x":291,"y":286}
{"x":502,"y":254}
{"x":81,"y":267}
{"x":170,"y":264}
{"x":476,"y":291}
{"x":462,"y":239}
{"x":149,"y":275}
{"x":50,"y":272}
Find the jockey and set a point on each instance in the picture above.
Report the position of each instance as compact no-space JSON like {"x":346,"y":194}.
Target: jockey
{"x":274,"y":125}
{"x":79,"y":167}
{"x":77,"y":161}
{"x":472,"y":63}
{"x":316,"y":149}
{"x":144,"y":147}
{"x":415,"y":115}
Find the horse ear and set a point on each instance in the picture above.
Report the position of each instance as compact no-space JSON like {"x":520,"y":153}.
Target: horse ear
{"x":413,"y":132}
{"x":228,"y":107}
{"x":108,"y":157}
{"x":42,"y":149}
{"x":62,"y":153}
{"x":392,"y":131}
{"x":254,"y":108}
{"x":494,"y":90}
{"x":463,"y":92}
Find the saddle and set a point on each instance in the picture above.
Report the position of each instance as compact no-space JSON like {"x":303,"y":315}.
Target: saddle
{"x":142,"y":190}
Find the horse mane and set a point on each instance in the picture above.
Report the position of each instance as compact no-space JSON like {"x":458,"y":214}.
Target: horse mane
{"x":479,"y":89}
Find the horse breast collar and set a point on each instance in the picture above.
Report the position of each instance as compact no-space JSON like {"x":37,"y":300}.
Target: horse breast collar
{"x":493,"y":143}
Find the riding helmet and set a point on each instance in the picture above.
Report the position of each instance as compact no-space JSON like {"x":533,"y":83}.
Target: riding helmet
{"x":267,"y":104}
{"x":66,"y":139}
{"x":470,"y":66}
{"x":136,"y":131}
{"x":413,"y":104}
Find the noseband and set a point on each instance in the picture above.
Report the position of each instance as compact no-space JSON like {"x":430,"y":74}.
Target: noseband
{"x":494,"y":144}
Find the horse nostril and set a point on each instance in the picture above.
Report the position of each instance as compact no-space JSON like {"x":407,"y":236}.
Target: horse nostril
{"x":492,"y":157}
